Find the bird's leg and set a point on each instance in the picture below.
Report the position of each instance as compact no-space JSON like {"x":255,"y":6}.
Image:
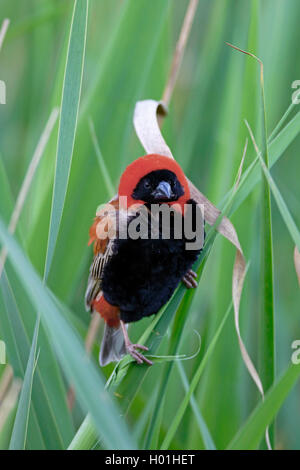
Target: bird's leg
{"x":132,"y":348}
{"x":189,"y":279}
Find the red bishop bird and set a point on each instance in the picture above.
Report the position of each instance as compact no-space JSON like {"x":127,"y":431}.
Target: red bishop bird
{"x":132,"y":277}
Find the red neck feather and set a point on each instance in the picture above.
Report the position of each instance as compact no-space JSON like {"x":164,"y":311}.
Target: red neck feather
{"x":144,"y":165}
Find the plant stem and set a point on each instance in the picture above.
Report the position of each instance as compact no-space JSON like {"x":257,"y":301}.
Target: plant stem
{"x":267,"y":340}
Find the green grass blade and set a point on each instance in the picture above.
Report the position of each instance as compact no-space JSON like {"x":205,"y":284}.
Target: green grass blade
{"x":267,"y":335}
{"x":250,"y":435}
{"x":102,"y":165}
{"x":281,"y":204}
{"x":78,"y":368}
{"x":86,"y":437}
{"x":205,"y":433}
{"x":127,"y":377}
{"x":183,"y":406}
{"x":19,"y":434}
{"x":276,"y":149}
{"x":176,"y":335}
{"x":281,"y":122}
{"x":50,"y":424}
{"x":267,"y":332}
{"x":6,"y":199}
{"x":68,"y":121}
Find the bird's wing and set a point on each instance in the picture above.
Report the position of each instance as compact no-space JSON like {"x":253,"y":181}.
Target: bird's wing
{"x":102,"y":234}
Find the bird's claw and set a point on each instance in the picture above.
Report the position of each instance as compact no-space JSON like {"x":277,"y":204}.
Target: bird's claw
{"x":189,"y":279}
{"x":137,"y":356}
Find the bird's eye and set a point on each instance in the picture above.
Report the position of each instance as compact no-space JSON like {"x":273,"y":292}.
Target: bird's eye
{"x":147,"y":184}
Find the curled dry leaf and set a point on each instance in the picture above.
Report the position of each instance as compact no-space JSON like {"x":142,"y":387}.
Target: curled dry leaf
{"x":149,"y":134}
{"x":146,"y":117}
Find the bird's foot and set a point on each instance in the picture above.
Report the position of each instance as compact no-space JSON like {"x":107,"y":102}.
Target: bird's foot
{"x":139,"y":357}
{"x":189,"y":279}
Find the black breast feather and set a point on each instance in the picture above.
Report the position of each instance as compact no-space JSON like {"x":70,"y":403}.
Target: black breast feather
{"x":142,"y":275}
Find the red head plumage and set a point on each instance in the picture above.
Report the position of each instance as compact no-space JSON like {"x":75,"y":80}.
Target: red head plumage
{"x":144,"y":165}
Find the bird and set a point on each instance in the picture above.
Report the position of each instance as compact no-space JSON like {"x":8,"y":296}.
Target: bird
{"x":132,"y":277}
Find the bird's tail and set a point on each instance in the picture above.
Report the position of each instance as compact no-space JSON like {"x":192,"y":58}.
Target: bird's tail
{"x":113,"y":345}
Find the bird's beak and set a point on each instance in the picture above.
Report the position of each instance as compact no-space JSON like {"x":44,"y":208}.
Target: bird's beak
{"x":163,"y":191}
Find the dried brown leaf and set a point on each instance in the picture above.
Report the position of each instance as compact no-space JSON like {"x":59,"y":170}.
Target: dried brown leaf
{"x":148,"y":131}
{"x":179,"y":50}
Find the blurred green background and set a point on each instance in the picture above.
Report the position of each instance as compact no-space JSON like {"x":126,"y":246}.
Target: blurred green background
{"x":129,"y":49}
